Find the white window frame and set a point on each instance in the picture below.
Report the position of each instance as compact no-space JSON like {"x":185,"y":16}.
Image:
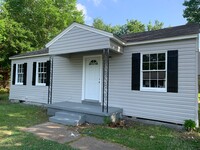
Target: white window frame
{"x":16,"y":77}
{"x":37,"y":83}
{"x":157,"y":89}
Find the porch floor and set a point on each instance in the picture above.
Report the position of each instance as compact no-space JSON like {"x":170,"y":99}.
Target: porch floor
{"x":84,"y":108}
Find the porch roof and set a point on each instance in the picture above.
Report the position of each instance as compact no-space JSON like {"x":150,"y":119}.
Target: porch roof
{"x":41,"y":52}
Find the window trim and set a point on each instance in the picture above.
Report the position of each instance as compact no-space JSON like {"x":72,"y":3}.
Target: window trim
{"x":36,"y":82}
{"x":16,"y":76}
{"x":141,"y":73}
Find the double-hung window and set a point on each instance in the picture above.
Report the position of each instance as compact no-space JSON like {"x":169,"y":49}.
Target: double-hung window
{"x":41,"y":73}
{"x":153,"y":72}
{"x":20,"y":74}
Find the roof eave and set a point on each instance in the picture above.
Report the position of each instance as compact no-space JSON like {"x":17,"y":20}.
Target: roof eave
{"x":21,"y":57}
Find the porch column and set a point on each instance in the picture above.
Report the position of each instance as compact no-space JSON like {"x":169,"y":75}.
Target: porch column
{"x":105,"y":80}
{"x":50,"y":80}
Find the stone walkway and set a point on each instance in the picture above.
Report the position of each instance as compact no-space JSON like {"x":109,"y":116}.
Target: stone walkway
{"x":63,"y":134}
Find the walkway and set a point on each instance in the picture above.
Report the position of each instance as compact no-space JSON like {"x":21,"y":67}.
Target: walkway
{"x":64,"y":134}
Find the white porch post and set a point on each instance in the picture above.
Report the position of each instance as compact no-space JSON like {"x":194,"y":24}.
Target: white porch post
{"x":105,"y":80}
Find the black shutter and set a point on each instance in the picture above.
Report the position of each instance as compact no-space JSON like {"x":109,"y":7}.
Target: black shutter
{"x":172,"y":71}
{"x":136,"y":71}
{"x":14,"y":74}
{"x":48,"y":73}
{"x":34,"y":73}
{"x":25,"y":73}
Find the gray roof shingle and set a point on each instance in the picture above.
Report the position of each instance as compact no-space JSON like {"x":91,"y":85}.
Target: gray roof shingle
{"x":182,"y":30}
{"x":32,"y":53}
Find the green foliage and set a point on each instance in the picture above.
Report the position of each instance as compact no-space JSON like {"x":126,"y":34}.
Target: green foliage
{"x":45,"y":18}
{"x":14,"y":39}
{"x":189,"y":125}
{"x":131,"y":26}
{"x":192,"y":10}
{"x":135,"y":26}
{"x":107,"y":120}
{"x":4,"y":90}
{"x":157,"y":25}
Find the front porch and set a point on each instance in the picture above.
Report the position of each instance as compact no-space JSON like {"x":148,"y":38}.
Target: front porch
{"x":90,"y":113}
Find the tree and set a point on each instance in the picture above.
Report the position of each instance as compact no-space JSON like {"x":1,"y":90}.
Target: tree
{"x":135,"y":26}
{"x":192,"y":11}
{"x":131,"y":26}
{"x":45,"y":18}
{"x":99,"y":24}
{"x":14,"y":39}
{"x":157,"y":25}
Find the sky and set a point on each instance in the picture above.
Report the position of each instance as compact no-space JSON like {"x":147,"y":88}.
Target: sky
{"x":116,"y":12}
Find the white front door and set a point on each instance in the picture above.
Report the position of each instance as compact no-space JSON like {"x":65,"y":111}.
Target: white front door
{"x":92,"y":75}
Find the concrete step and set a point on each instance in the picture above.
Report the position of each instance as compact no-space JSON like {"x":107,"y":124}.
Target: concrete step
{"x":68,"y":118}
{"x":69,"y":115}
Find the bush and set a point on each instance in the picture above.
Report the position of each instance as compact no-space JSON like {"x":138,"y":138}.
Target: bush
{"x":4,"y":90}
{"x":189,"y":125}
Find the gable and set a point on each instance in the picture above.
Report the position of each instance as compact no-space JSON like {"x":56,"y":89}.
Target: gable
{"x":77,"y":40}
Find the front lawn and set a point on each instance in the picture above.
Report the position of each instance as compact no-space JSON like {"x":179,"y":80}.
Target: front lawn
{"x":16,"y":116}
{"x":146,"y":137}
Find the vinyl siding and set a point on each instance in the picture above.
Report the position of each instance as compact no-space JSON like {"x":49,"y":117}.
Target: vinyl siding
{"x":169,"y":107}
{"x":29,"y":92}
{"x":79,"y":40}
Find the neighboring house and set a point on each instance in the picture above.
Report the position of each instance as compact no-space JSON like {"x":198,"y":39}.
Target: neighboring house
{"x":151,"y":75}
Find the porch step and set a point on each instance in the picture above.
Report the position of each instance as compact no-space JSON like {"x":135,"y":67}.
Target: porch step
{"x":68,"y":118}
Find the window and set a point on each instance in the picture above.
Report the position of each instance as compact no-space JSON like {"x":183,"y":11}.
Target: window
{"x":41,"y":73}
{"x":93,"y":62}
{"x":20,"y":74}
{"x":153,"y":72}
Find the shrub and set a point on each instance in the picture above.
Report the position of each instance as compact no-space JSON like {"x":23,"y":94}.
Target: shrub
{"x":4,"y":90}
{"x":189,"y":125}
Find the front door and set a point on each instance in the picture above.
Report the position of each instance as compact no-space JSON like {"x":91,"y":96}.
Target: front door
{"x":92,"y":77}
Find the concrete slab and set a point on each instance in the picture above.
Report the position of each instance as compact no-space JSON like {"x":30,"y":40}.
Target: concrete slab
{"x":54,"y":132}
{"x":90,"y":143}
{"x":66,"y":134}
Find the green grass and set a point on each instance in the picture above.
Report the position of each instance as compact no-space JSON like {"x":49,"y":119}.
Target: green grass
{"x":138,"y":137}
{"x":16,"y":116}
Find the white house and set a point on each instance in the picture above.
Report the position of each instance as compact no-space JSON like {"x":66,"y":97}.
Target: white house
{"x":151,"y":75}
